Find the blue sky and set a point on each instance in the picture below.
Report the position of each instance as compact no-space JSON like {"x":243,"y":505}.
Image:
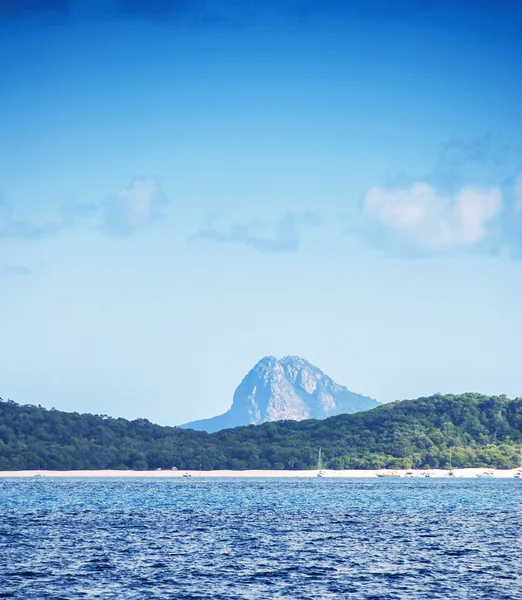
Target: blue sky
{"x":188,"y":186}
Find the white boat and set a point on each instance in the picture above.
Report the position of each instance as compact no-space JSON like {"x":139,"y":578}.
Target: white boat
{"x":486,"y":474}
{"x":387,"y":474}
{"x":451,"y":472}
{"x":320,"y":472}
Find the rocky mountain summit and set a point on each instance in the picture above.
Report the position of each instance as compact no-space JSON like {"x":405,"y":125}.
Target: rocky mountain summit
{"x":286,"y":389}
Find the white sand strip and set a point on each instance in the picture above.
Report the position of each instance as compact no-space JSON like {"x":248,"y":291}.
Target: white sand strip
{"x":167,"y":474}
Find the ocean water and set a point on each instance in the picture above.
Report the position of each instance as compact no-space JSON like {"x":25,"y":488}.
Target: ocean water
{"x":245,"y":538}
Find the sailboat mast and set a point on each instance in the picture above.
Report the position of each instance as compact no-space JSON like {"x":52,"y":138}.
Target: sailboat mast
{"x":319,"y":461}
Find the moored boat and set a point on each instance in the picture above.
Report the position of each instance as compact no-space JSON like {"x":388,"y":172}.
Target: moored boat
{"x":518,"y":474}
{"x":451,"y":472}
{"x":486,"y":474}
{"x":320,"y":472}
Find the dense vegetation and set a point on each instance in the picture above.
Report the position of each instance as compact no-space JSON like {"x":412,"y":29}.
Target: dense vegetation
{"x":481,"y":431}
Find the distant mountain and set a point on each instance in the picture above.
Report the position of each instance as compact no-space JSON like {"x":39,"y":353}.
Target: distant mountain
{"x":286,"y":389}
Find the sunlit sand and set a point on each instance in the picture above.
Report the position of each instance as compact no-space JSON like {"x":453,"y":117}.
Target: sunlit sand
{"x":169,"y":474}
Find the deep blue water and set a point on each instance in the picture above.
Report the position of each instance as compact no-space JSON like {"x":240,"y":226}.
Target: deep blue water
{"x":318,"y":538}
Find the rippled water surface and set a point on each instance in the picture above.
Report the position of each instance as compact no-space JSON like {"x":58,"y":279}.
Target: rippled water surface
{"x":200,"y":538}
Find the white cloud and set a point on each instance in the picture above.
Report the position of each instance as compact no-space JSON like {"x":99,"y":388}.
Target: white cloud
{"x":433,"y":221}
{"x":134,"y":207}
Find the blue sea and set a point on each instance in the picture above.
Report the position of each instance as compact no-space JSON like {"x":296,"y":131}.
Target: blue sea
{"x":379,"y":539}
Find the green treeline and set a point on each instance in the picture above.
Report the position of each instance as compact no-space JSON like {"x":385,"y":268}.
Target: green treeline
{"x":481,"y":431}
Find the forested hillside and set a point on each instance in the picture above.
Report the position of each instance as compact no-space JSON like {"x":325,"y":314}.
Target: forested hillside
{"x":481,"y":431}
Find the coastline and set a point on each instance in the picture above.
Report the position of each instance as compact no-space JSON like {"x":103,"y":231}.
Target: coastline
{"x":313,"y":473}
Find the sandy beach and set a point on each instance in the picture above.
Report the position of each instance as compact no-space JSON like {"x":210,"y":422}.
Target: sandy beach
{"x":168,"y":474}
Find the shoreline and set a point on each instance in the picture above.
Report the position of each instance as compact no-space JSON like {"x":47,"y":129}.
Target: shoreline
{"x":313,"y":473}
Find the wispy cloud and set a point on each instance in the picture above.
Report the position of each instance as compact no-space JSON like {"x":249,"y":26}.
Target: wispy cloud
{"x":486,"y":160}
{"x":133,"y":208}
{"x":10,"y":227}
{"x":280,"y":237}
{"x":128,"y":212}
{"x":428,"y":220}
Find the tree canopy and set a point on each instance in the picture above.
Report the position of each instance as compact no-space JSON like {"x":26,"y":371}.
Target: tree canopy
{"x":481,"y":431}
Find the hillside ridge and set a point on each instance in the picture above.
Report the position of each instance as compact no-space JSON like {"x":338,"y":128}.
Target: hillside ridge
{"x":481,"y":431}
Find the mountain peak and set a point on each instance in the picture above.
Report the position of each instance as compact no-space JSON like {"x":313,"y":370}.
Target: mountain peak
{"x":297,"y":361}
{"x":287,"y":389}
{"x":265,"y":362}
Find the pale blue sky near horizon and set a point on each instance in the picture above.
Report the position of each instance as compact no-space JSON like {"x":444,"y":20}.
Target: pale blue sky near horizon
{"x":188,"y":186}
